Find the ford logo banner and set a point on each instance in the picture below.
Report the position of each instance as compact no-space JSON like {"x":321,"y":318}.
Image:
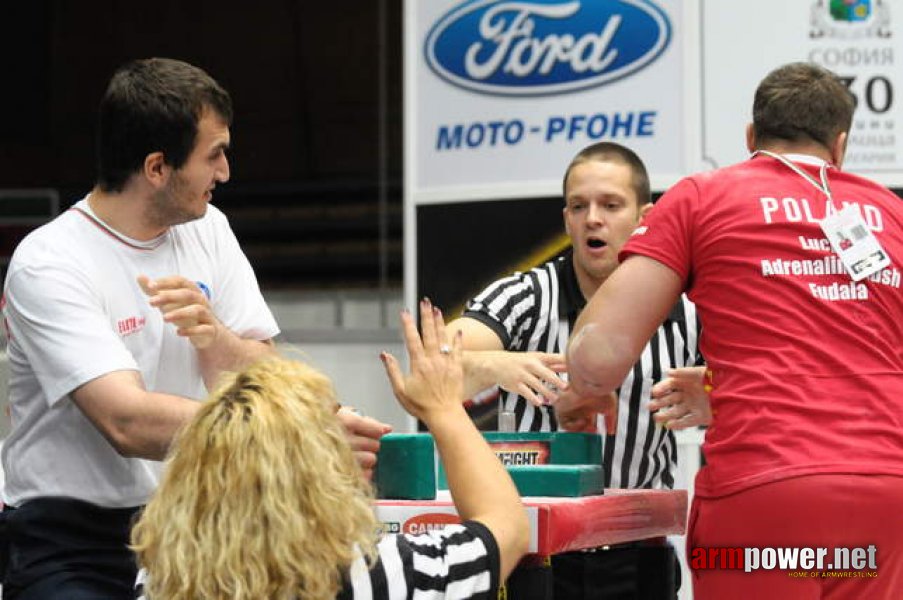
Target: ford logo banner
{"x":540,"y":47}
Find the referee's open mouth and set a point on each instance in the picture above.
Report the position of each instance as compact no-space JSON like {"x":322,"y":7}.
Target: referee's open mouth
{"x":595,"y":243}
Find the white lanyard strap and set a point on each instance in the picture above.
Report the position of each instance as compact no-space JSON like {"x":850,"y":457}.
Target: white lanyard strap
{"x":821,"y":186}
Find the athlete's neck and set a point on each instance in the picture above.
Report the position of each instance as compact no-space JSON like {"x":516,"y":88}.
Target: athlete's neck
{"x":808,"y":149}
{"x":122,"y":212}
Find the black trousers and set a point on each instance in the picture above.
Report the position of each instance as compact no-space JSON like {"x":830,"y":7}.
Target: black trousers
{"x":623,"y":572}
{"x":65,"y":549}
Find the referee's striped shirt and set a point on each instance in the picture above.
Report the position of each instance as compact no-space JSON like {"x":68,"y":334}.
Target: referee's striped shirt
{"x":457,"y":561}
{"x":534,"y":311}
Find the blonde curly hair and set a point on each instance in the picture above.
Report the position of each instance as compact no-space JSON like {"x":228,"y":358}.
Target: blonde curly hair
{"x":262,"y":497}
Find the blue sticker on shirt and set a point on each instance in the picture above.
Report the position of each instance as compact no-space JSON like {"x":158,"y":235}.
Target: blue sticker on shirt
{"x":204,"y":288}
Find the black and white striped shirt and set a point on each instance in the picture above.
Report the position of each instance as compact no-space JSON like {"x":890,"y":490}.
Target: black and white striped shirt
{"x":534,"y":311}
{"x":457,"y":561}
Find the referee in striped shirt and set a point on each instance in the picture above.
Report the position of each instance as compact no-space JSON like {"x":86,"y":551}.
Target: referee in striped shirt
{"x":516,"y":330}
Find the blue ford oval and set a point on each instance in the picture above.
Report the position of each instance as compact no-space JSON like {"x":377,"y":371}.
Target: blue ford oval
{"x":537,"y":47}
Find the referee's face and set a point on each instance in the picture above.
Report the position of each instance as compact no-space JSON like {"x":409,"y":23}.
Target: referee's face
{"x":600,"y":213}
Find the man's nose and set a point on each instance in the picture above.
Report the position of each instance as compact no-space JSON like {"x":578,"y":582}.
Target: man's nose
{"x":222,"y":170}
{"x":595,"y":215}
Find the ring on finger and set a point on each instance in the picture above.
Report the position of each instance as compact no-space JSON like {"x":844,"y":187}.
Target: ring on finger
{"x":445,"y":349}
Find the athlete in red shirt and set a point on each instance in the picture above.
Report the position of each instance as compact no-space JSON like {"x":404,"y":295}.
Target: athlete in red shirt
{"x":805,"y":363}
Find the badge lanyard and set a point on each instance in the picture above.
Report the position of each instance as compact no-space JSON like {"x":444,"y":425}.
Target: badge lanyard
{"x":852,"y":240}
{"x":821,"y":186}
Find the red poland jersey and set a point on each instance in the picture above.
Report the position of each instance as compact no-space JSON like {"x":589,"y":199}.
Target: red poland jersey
{"x":807,"y":365}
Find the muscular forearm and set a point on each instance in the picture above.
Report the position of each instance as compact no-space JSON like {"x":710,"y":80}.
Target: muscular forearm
{"x":137,"y":423}
{"x":186,"y":307}
{"x":149,"y":433}
{"x":618,"y":321}
{"x":229,"y":352}
{"x":598,"y":362}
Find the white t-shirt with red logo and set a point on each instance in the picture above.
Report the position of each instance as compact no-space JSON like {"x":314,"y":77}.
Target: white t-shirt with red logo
{"x":807,"y":365}
{"x":74,"y":311}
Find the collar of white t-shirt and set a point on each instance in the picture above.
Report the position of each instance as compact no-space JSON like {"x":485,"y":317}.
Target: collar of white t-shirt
{"x":85,"y":207}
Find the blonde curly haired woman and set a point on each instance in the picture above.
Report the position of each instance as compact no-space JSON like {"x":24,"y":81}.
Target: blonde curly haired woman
{"x":263,"y":497}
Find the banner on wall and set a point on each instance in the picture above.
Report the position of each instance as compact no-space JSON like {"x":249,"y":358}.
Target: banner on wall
{"x":501,"y":94}
{"x":860,"y":40}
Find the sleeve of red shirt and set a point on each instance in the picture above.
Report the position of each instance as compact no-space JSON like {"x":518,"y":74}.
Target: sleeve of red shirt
{"x":666,"y":233}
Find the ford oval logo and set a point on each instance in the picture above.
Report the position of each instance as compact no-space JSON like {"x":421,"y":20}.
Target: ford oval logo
{"x":535,"y":47}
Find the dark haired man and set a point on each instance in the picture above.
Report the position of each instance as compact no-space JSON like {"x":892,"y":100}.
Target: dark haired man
{"x":804,"y":353}
{"x":516,"y":329}
{"x":121,"y":312}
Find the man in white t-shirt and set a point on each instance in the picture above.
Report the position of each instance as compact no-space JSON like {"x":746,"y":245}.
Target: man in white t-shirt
{"x":120,"y":314}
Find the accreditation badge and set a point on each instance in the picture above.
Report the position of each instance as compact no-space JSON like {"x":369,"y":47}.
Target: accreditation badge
{"x":855,"y":244}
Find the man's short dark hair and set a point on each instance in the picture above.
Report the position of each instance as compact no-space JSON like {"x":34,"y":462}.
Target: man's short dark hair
{"x":612,"y":152}
{"x":153,"y":105}
{"x":802,"y":101}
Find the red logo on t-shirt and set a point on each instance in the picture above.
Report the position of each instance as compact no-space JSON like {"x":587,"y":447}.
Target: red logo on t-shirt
{"x":130,"y":325}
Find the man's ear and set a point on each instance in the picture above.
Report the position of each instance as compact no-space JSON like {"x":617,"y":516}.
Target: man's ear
{"x":644,"y":210}
{"x":156,"y":171}
{"x":750,"y":138}
{"x":839,"y":148}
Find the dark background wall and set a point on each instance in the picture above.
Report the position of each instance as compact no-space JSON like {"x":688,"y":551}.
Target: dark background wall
{"x":315,"y":195}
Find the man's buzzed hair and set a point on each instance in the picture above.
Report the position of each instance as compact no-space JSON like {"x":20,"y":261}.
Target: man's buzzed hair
{"x":616,"y":153}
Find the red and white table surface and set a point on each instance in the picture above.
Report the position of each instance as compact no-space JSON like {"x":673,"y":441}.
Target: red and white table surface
{"x":561,"y":524}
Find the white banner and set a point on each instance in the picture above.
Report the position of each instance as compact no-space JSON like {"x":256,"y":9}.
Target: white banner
{"x":860,"y":40}
{"x":500,"y":94}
